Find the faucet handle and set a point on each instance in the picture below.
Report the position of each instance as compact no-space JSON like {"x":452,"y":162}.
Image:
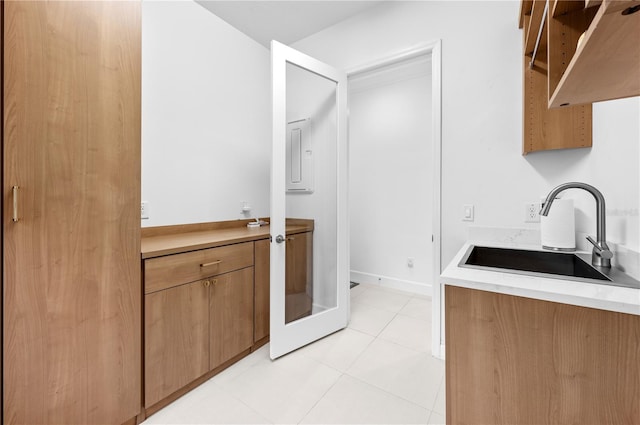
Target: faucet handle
{"x":602,"y":251}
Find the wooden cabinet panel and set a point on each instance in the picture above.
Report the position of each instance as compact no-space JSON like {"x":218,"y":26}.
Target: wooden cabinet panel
{"x":176,"y":339}
{"x":71,"y":143}
{"x":231,"y":312}
{"x":514,"y":360}
{"x":261,"y":289}
{"x":605,"y":65}
{"x":299,"y":276}
{"x":544,"y":128}
{"x":170,"y":270}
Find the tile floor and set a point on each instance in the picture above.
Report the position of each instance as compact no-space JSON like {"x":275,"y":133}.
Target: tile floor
{"x":378,"y":370}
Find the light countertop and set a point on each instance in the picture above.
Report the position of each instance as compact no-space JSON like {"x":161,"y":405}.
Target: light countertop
{"x":604,"y":297}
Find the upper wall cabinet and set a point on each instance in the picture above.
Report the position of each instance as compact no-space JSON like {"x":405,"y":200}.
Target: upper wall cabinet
{"x":544,"y":128}
{"x":592,"y":47}
{"x":575,"y":53}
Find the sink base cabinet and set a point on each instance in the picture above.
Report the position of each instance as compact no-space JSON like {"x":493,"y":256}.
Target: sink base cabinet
{"x":514,"y":360}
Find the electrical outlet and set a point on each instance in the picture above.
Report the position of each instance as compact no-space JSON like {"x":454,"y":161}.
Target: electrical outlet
{"x":144,"y":210}
{"x":410,"y":261}
{"x":532,"y":212}
{"x":245,"y":207}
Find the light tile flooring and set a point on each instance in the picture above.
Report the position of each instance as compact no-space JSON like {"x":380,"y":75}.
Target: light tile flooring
{"x":378,"y":370}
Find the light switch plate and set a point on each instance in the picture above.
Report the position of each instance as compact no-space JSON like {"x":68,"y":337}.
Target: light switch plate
{"x":467,"y":212}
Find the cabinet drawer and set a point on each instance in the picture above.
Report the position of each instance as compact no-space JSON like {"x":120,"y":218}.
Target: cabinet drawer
{"x":171,"y":270}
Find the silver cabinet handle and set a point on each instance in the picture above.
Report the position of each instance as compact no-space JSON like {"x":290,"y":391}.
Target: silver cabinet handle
{"x":15,"y":202}
{"x":279,"y":239}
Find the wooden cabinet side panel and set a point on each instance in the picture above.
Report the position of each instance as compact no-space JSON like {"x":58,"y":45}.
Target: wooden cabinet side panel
{"x":176,"y":339}
{"x":517,"y":360}
{"x":2,"y":198}
{"x":71,"y":124}
{"x":231,"y":313}
{"x":546,"y":129}
{"x":261,"y":288}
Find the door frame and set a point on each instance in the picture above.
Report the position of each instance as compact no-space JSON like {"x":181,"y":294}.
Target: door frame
{"x":434,"y":49}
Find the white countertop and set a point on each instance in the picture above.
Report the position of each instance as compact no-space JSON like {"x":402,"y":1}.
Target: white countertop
{"x":604,"y":297}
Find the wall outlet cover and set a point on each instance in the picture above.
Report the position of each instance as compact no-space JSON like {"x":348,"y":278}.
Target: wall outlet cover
{"x":144,"y":210}
{"x":532,"y":212}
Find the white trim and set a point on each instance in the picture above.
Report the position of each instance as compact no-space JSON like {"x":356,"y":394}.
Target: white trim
{"x":434,"y":48}
{"x":403,"y":55}
{"x":414,"y":287}
{"x":437,"y":339}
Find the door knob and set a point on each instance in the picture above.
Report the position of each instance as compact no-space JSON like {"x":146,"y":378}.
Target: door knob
{"x":279,"y":239}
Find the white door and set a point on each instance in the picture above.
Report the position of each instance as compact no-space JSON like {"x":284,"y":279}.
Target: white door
{"x":309,"y":217}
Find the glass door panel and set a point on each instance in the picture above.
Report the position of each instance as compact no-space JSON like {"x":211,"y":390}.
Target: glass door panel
{"x":309,"y":252}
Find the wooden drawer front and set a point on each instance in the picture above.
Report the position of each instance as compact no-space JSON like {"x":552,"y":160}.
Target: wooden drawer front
{"x":172,"y":270}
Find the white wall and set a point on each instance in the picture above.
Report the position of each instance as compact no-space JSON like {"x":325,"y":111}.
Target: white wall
{"x":390,"y":175}
{"x":206,"y":120}
{"x":482,"y":117}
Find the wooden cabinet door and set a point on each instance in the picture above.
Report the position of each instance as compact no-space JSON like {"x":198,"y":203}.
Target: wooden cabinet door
{"x":261,"y":288}
{"x":176,"y":339}
{"x":71,"y":144}
{"x":299,"y":276}
{"x":231,"y":313}
{"x":515,"y":360}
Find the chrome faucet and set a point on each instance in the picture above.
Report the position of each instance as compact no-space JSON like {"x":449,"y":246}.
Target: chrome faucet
{"x":601,"y":254}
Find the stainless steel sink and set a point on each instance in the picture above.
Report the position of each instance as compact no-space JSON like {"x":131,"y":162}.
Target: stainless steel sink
{"x":557,"y":265}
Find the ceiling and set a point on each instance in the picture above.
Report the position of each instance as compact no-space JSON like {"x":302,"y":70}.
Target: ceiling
{"x":284,"y":21}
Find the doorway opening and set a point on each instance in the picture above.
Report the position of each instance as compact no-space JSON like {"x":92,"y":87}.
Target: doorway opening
{"x":394,"y":163}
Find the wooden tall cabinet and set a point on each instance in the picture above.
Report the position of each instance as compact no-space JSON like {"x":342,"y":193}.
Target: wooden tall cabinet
{"x":71,"y":221}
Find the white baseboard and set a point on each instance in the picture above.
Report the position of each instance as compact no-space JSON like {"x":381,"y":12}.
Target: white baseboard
{"x":420,"y":288}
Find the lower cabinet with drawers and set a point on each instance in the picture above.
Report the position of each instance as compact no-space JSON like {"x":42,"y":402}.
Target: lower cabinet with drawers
{"x":199,"y":312}
{"x":206,"y":308}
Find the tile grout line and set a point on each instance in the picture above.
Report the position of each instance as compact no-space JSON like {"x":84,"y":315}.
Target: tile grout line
{"x":341,"y":372}
{"x":377,"y":337}
{"x":230,"y":394}
{"x":389,"y":393}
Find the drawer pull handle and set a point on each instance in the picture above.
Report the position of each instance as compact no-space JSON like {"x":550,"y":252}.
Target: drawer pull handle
{"x":207,"y":283}
{"x":15,"y":203}
{"x":213,"y":263}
